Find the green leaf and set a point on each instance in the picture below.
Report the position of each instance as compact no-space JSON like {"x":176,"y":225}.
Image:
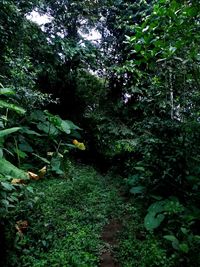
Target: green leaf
{"x":152,"y":220}
{"x":137,"y":47}
{"x":28,"y":131}
{"x":54,"y":119}
{"x":41,"y":158}
{"x":184,"y":247}
{"x":158,"y":206}
{"x":184,"y":230}
{"x":137,"y":189}
{"x":47,"y":128}
{"x":8,"y":169}
{"x":6,"y":91}
{"x":65,"y":127}
{"x":171,"y":238}
{"x":5,"y":203}
{"x":30,"y":189}
{"x":175,"y":244}
{"x":56,"y":165}
{"x":1,"y":153}
{"x":197,"y":238}
{"x":20,"y":153}
{"x":25,"y":147}
{"x":139,"y":168}
{"x":72,"y":125}
{"x":19,"y":110}
{"x":7,"y":186}
{"x":172,"y":49}
{"x":38,"y":115}
{"x":8,"y":131}
{"x":156,"y":197}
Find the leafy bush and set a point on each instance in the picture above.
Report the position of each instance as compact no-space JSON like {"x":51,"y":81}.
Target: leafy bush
{"x":39,"y":135}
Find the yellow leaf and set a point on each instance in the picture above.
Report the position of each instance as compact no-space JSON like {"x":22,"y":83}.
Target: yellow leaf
{"x":42,"y":172}
{"x":33,"y":176}
{"x":18,"y":181}
{"x":81,"y":146}
{"x":75,"y":142}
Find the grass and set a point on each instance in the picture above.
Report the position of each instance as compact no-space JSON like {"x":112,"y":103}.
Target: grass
{"x":66,"y":221}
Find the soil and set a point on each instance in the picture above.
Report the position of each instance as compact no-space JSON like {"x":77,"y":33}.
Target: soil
{"x":109,"y":236}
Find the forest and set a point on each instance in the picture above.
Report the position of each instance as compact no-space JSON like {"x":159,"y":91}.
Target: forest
{"x":99,"y":133}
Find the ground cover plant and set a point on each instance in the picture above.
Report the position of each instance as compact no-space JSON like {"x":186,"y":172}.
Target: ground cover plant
{"x":66,"y":221}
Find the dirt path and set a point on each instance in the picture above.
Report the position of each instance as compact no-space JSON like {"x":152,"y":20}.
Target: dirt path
{"x":109,"y":236}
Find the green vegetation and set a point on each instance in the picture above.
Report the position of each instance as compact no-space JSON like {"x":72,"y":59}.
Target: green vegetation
{"x":124,"y":102}
{"x":66,"y":221}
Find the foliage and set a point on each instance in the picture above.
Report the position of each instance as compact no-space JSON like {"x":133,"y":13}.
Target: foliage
{"x":66,"y":221}
{"x":11,"y":196}
{"x":18,"y":145}
{"x":138,"y":248}
{"x":158,"y":210}
{"x":135,"y":91}
{"x":167,"y":61}
{"x":148,"y":121}
{"x":51,"y":127}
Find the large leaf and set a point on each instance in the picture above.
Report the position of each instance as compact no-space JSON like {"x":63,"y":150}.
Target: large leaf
{"x":19,"y":110}
{"x":60,"y":124}
{"x":72,"y":125}
{"x":65,"y":127}
{"x":153,"y":220}
{"x":8,"y":169}
{"x":154,"y":216}
{"x":28,"y":131}
{"x":38,"y":115}
{"x":171,"y":238}
{"x":158,"y":206}
{"x":6,"y":91}
{"x":48,"y":128}
{"x":138,"y":190}
{"x":174,"y":240}
{"x":8,"y":131}
{"x":56,"y":165}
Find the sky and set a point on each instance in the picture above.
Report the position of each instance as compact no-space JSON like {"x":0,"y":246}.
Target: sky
{"x":42,"y":19}
{"x":39,"y":19}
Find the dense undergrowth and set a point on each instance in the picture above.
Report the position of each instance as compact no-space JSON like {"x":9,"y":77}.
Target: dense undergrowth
{"x":65,"y":221}
{"x":126,"y":101}
{"x":66,"y":218}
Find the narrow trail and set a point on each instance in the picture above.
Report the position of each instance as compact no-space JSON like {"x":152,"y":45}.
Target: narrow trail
{"x":109,"y":236}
